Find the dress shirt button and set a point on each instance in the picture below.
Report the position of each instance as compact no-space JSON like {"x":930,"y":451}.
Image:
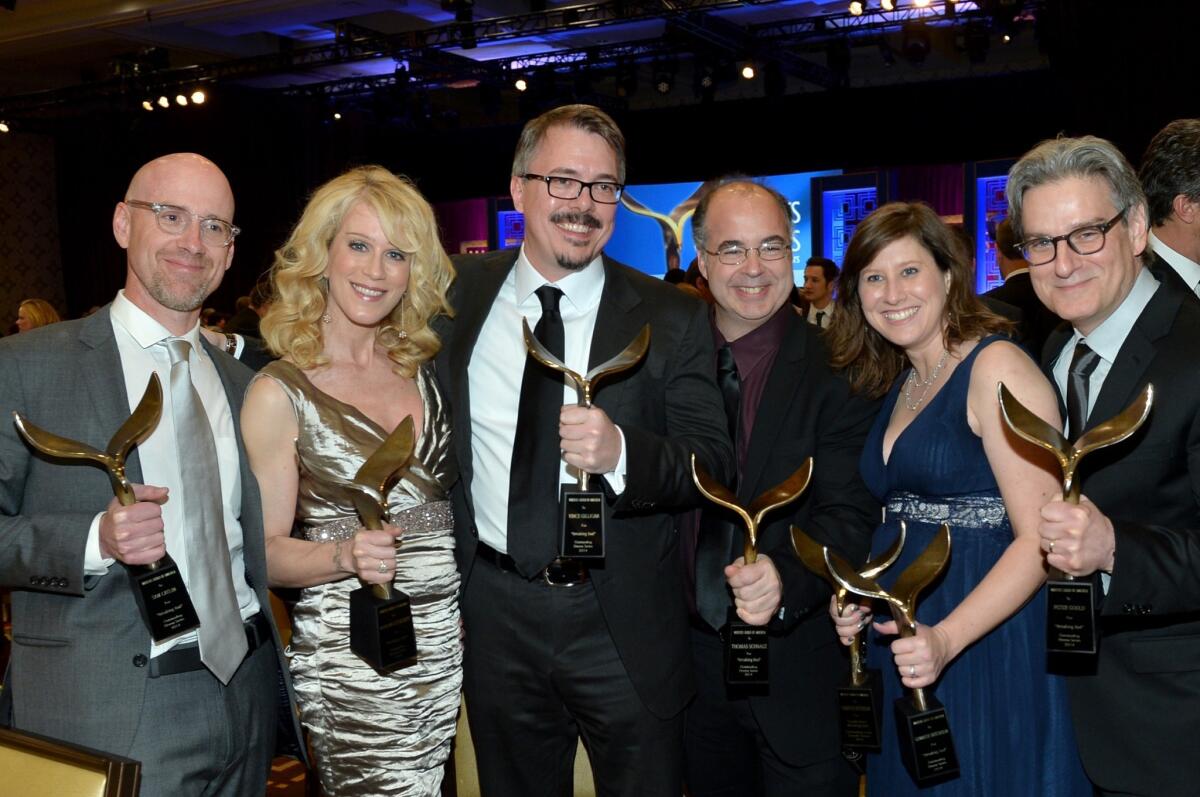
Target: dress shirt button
{"x":1127,"y":608}
{"x":140,"y":660}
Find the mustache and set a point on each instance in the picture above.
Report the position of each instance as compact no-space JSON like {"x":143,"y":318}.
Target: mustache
{"x":576,"y":217}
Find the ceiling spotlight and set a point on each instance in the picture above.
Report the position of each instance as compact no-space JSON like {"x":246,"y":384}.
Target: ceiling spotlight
{"x":1007,"y":38}
{"x":4,"y":128}
{"x":163,"y":102}
{"x":520,"y":84}
{"x":182,"y":100}
{"x":748,"y":72}
{"x":887,"y":5}
{"x":856,"y":8}
{"x":921,"y":3}
{"x":199,"y":97}
{"x":149,"y":106}
{"x":336,"y":116}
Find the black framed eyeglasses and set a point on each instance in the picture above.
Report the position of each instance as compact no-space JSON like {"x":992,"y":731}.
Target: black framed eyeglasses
{"x":735,"y":255}
{"x":603,"y":191}
{"x":1086,"y":240}
{"x":175,"y":220}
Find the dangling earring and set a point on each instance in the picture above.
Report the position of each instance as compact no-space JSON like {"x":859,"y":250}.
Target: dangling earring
{"x":323,"y":281}
{"x":326,"y":318}
{"x":401,"y":332}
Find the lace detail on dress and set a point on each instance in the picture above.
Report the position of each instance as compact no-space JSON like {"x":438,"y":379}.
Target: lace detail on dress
{"x":977,"y":511}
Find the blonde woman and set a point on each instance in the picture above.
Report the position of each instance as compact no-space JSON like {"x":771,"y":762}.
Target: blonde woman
{"x":34,"y":313}
{"x":356,"y":287}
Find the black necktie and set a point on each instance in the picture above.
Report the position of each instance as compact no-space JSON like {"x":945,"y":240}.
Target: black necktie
{"x":820,"y":319}
{"x":1083,"y":362}
{"x":715,"y":544}
{"x":533,"y":480}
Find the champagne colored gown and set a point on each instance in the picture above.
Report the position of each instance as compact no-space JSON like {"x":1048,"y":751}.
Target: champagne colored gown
{"x":372,"y":733}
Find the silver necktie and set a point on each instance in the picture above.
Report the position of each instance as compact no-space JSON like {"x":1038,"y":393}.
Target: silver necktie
{"x":210,"y":583}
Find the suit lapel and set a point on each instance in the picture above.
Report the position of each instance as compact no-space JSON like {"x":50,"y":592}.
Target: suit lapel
{"x":778,"y":395}
{"x":105,"y":385}
{"x":617,"y":322}
{"x":1136,"y":354}
{"x":470,"y":313}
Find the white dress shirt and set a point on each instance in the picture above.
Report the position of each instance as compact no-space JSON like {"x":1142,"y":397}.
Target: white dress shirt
{"x":494,"y":379}
{"x":137,"y":336}
{"x":1106,"y":340}
{"x":1188,"y":269}
{"x":825,"y":319}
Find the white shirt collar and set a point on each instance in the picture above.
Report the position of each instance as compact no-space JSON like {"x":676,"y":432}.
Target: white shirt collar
{"x":1107,"y":339}
{"x":1015,"y":272}
{"x":1188,"y":269}
{"x":581,"y":288}
{"x":144,"y":329}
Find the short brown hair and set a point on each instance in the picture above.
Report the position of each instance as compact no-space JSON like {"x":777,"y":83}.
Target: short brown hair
{"x":871,"y":362}
{"x":588,"y":118}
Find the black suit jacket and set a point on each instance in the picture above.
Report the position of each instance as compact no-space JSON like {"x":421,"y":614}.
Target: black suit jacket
{"x":667,"y":407}
{"x":807,"y":411}
{"x":1036,"y":321}
{"x":1137,"y":718}
{"x":1167,"y":274}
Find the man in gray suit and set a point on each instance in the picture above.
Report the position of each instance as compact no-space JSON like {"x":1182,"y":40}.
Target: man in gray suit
{"x":199,"y":709}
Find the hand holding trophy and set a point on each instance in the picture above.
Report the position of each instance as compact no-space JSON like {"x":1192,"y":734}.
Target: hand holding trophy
{"x":159,"y":590}
{"x":746,"y":646}
{"x":860,"y":700}
{"x":926,"y":744}
{"x":1071,"y":604}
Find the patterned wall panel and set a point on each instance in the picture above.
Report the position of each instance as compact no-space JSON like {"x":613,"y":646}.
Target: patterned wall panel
{"x":842,"y":211}
{"x":30,"y":256}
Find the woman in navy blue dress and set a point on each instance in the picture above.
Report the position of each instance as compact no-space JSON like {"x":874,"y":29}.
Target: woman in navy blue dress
{"x":910,"y":326}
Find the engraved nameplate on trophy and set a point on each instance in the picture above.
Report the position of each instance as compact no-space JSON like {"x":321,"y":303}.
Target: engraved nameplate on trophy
{"x":860,"y":698}
{"x":926,"y":743}
{"x":582,"y":506}
{"x":381,"y":625}
{"x":1071,"y":613}
{"x":161,"y":596}
{"x":747,"y":647}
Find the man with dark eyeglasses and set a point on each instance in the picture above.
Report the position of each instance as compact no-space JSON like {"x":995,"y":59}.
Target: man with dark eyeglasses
{"x":1081,"y":219}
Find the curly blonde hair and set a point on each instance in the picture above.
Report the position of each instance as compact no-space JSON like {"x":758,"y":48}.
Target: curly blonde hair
{"x":292,"y":325}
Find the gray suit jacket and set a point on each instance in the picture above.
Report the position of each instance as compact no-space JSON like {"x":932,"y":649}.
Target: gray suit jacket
{"x":80,"y":649}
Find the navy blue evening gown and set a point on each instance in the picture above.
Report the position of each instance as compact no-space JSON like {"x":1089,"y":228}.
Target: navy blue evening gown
{"x":1009,"y":718}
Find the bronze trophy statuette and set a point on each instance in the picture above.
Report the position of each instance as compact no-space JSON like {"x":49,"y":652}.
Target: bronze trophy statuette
{"x":381,"y":626}
{"x":159,"y":590}
{"x":926,"y":744}
{"x":1070,"y":603}
{"x":582,"y":507}
{"x":860,"y":699}
{"x":746,"y":646}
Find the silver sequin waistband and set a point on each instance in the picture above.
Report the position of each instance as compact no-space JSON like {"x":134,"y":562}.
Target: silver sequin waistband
{"x":975,"y":511}
{"x":424,"y":517}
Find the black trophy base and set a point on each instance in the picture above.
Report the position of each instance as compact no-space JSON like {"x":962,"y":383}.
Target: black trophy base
{"x":581,"y":523}
{"x":860,"y":714}
{"x":163,"y":599}
{"x":381,"y":631}
{"x":926,"y":746}
{"x":746,"y":653}
{"x":1071,"y":618}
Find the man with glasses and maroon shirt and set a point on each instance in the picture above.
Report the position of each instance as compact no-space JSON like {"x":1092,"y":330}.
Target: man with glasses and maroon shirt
{"x":1081,"y":220}
{"x":556,"y":647}
{"x":198,"y":709}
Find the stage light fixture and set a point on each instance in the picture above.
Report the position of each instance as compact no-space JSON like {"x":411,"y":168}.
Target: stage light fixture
{"x":4,"y":128}
{"x":163,"y":102}
{"x":149,"y":106}
{"x":921,"y":3}
{"x":198,"y":97}
{"x":180,"y":99}
{"x":748,"y":72}
{"x":520,"y":84}
{"x":1007,"y":38}
{"x":887,"y":5}
{"x":856,"y":8}
{"x":336,"y":116}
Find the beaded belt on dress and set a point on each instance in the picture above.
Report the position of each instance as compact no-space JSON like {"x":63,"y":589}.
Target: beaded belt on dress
{"x":976,"y":511}
{"x":424,"y":517}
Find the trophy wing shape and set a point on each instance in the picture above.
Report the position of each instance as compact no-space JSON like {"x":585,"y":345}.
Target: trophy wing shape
{"x":848,"y":578}
{"x":382,"y":468}
{"x":716,"y":492}
{"x":629,"y":357}
{"x":52,"y":445}
{"x":1030,"y":427}
{"x":141,"y":423}
{"x":887,"y":558}
{"x":1120,"y":426}
{"x":543,"y":355}
{"x":923,"y":570}
{"x":370,"y":504}
{"x":811,"y":554}
{"x":785,"y":492}
{"x":669,"y":225}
